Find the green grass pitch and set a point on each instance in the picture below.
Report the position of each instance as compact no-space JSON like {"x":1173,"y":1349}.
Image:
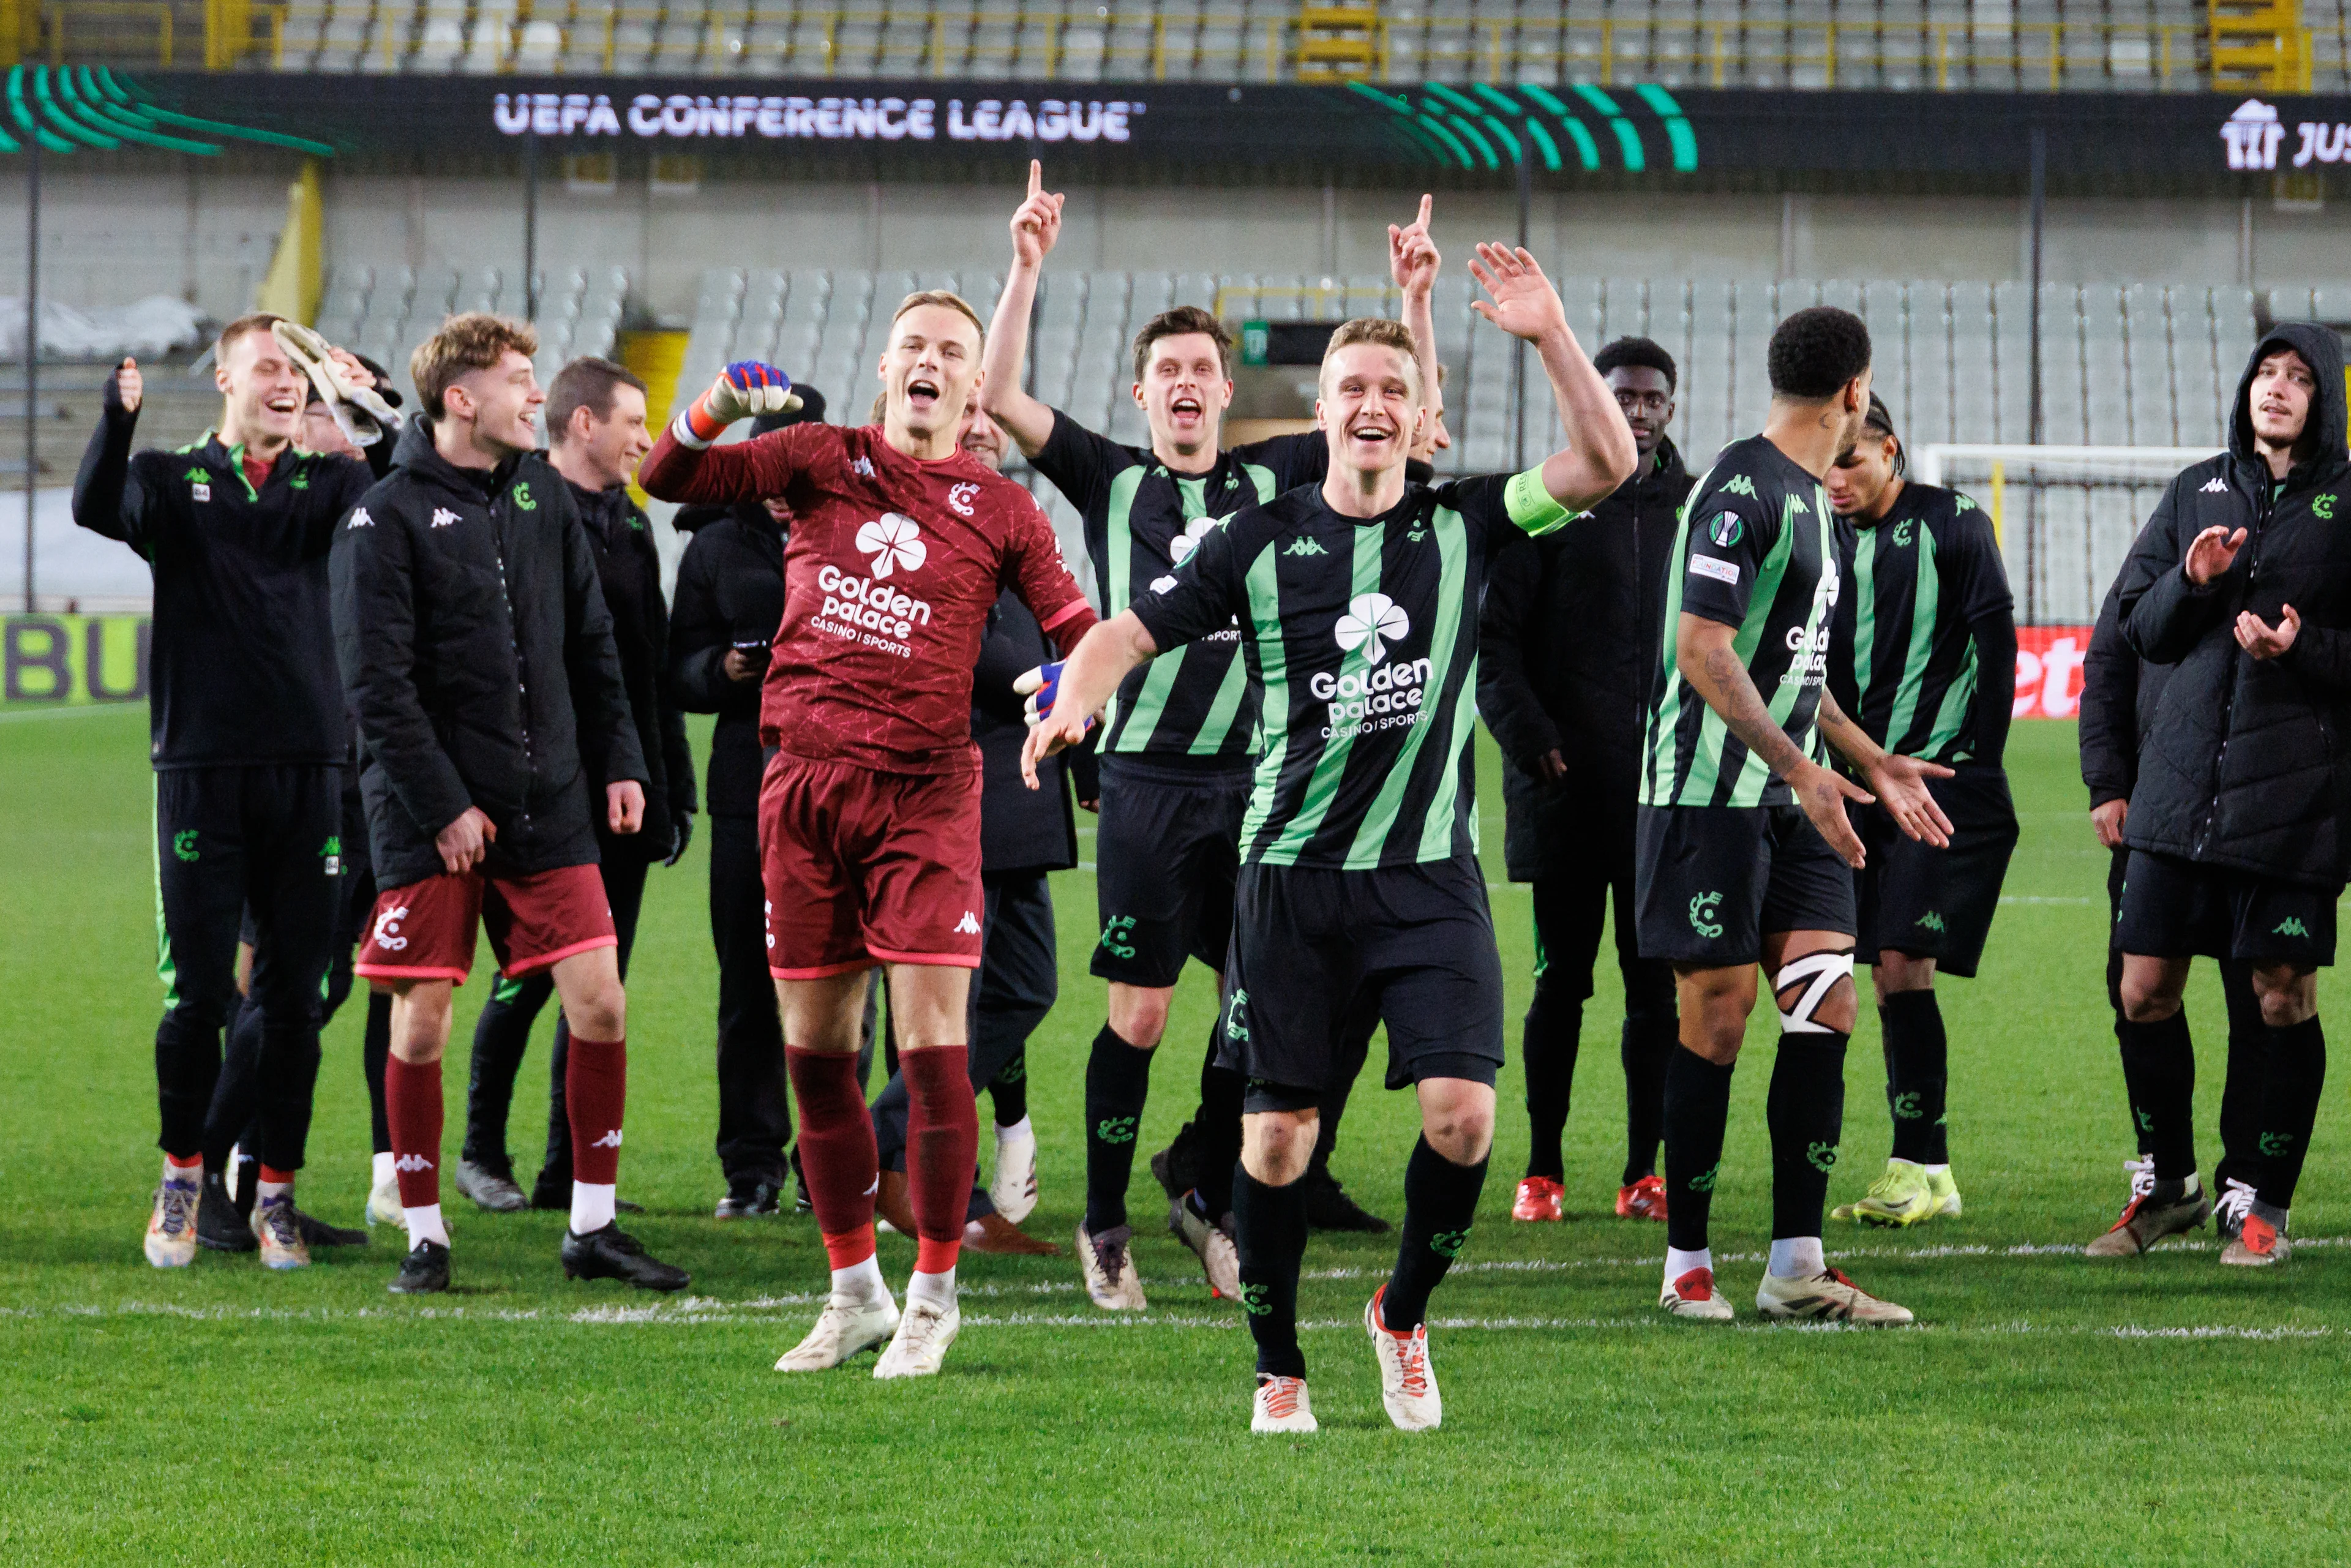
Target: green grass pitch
{"x":2047,"y":1410}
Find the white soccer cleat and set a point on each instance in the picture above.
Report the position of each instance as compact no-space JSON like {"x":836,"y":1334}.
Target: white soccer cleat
{"x":1407,"y":1383}
{"x":383,"y":1204}
{"x":1218,"y":1256}
{"x":1111,"y":1281}
{"x":280,"y":1234}
{"x":1694,"y":1296}
{"x":1013,"y":1188}
{"x":1825,"y":1297}
{"x":1281,"y":1406}
{"x":921,"y":1342}
{"x":171,"y":1225}
{"x":842,"y":1330}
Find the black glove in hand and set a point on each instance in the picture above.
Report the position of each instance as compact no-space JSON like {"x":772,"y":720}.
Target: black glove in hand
{"x":685,"y":837}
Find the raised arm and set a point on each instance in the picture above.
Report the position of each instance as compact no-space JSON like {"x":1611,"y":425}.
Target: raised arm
{"x":1102,"y":658}
{"x":106,"y":499}
{"x":1414,"y":264}
{"x":1600,"y":454}
{"x":1035,"y":226}
{"x":684,"y":467}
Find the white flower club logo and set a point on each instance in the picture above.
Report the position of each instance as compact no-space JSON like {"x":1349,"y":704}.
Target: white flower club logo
{"x":1373,"y":620}
{"x":960,"y":497}
{"x":387,"y":929}
{"x":892,"y":541}
{"x":443,"y":518}
{"x":2252,"y":135}
{"x":1161,"y":584}
{"x":1180,"y":547}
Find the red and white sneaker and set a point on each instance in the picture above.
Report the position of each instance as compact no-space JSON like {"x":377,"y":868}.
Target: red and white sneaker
{"x":2259,"y":1245}
{"x":1825,"y":1297}
{"x":1539,"y":1198}
{"x":1407,"y":1383}
{"x":1694,"y":1296}
{"x":1645,"y":1200}
{"x":1281,"y":1406}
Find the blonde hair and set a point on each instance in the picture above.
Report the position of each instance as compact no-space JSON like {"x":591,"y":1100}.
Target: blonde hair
{"x":475,"y":340}
{"x":1385,"y":334}
{"x":947,"y":297}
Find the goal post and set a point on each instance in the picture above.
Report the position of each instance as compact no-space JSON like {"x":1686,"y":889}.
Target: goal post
{"x":2064,"y":516}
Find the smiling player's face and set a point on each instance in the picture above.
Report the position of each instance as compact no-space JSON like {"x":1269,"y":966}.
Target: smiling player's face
{"x":1184,"y":392}
{"x":930,"y":370}
{"x":1369,"y":409}
{"x":264,"y":392}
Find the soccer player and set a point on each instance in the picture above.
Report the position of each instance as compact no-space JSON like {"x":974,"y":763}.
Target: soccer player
{"x":248,"y":742}
{"x":1563,"y":672}
{"x":868,"y":817}
{"x":479,"y":653}
{"x":1177,"y":746}
{"x":2235,"y":826}
{"x":1360,"y":891}
{"x":1744,"y":844}
{"x":1923,"y":656}
{"x":595,"y":419}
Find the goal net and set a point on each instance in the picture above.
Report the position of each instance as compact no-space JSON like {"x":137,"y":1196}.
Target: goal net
{"x":2064,"y":516}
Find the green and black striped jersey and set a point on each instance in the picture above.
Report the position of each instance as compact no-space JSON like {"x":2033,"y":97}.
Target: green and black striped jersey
{"x":1757,"y":551}
{"x":1905,"y":663}
{"x":1363,"y":634}
{"x":1143,"y":520}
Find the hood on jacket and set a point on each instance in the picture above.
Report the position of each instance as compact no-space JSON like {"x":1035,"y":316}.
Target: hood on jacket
{"x":2323,"y":351}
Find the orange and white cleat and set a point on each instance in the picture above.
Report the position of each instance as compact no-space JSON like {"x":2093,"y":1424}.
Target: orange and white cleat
{"x":1539,"y":1198}
{"x":1407,"y":1383}
{"x":1645,"y":1200}
{"x":1281,"y":1406}
{"x":2259,"y":1244}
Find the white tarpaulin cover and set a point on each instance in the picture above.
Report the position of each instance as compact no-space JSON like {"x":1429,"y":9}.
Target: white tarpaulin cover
{"x":147,"y":329}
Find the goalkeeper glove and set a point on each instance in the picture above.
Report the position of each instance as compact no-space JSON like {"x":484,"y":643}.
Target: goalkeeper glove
{"x":743,"y":389}
{"x":1040,"y":686}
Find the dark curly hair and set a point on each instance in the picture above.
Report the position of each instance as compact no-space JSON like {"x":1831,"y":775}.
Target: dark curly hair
{"x":1816,"y":350}
{"x":1643,"y":353}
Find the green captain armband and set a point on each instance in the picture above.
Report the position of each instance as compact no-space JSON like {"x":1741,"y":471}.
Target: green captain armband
{"x":1532,"y":507}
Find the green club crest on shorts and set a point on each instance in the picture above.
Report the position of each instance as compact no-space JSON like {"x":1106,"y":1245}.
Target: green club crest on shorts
{"x":1118,"y":935}
{"x":1235,"y":1027}
{"x":1114,"y":1130}
{"x":1703,"y":908}
{"x":1906,"y":1107}
{"x":184,"y":844}
{"x":1822,"y":1157}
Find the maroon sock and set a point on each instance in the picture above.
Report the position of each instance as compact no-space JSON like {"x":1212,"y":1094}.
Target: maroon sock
{"x":836,"y":1144}
{"x":412,"y":1104}
{"x":595,"y":1088}
{"x":942,"y":1145}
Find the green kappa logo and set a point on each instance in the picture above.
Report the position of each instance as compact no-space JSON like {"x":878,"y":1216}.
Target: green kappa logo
{"x":2275,"y":1146}
{"x":2291,"y":926}
{"x":1703,"y":908}
{"x":1704,"y":1180}
{"x":2322,"y":507}
{"x":2146,"y":1121}
{"x":1118,"y":937}
{"x":1902,"y":534}
{"x":1304,"y":545}
{"x":1015,"y":1070}
{"x":301,"y":480}
{"x":331,"y":851}
{"x":1725,"y":529}
{"x":198,"y":475}
{"x":184,"y":844}
{"x":523,"y":499}
{"x":1961,"y":503}
{"x":1932,"y":920}
{"x":1235,"y":1027}
{"x":1254,"y":1302}
{"x":1418,"y":533}
{"x":1740,"y":484}
{"x":1448,"y":1243}
{"x":1796,"y":507}
{"x":1906,"y":1107}
{"x":1115,"y":1130}
{"x":1822,"y":1156}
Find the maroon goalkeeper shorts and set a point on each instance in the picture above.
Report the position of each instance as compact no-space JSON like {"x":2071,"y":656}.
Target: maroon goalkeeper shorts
{"x":865,"y":867}
{"x":425,"y":931}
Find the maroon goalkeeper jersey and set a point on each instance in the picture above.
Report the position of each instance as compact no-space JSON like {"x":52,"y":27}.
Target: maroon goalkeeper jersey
{"x":890,"y":567}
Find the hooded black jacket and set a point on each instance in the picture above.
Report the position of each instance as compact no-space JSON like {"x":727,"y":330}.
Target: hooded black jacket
{"x":476,"y":644}
{"x":2119,"y":697}
{"x":2242,"y":762}
{"x":1020,"y":828}
{"x":628,"y":568}
{"x":730,"y":594}
{"x":1569,"y":640}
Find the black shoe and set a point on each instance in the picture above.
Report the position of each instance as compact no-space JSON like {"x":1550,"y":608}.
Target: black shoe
{"x":1176,"y":1166}
{"x":317,"y":1232}
{"x":802,"y":1202}
{"x":1328,"y":1206}
{"x":552,"y":1190}
{"x":423,"y":1272}
{"x":749,"y":1198}
{"x":612,"y":1253}
{"x":626,"y":1206}
{"x":218,"y":1224}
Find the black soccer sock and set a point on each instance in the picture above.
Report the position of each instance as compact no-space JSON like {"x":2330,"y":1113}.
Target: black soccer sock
{"x":1270,"y":1225}
{"x":285,"y":1081}
{"x":1118,"y":1081}
{"x":2121,"y":1047}
{"x":1216,"y":1132}
{"x":1805,"y":1110}
{"x":1698,"y":1109}
{"x":2240,"y":1088}
{"x":501,"y":1037}
{"x":2290,"y":1093}
{"x":2159,"y":1068}
{"x":1007,"y":1091}
{"x":1646,"y":1047}
{"x":1554,"y":1030}
{"x":375,"y":1050}
{"x":1918,"y":1075}
{"x":237,"y":1092}
{"x":1440,"y":1203}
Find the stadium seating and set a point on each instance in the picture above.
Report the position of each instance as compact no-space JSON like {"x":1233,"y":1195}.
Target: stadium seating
{"x":2016,"y":45}
{"x":383,"y":311}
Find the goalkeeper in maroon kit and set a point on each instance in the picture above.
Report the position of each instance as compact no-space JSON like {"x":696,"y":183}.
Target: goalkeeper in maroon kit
{"x":869,"y":813}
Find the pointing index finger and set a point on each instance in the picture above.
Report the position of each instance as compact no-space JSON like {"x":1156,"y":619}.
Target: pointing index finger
{"x":1036,"y":177}
{"x":1422,"y":221}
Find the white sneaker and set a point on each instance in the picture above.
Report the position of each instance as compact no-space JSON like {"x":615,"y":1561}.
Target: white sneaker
{"x":1694,"y":1296}
{"x":1407,"y":1383}
{"x":172,"y":1226}
{"x":1281,"y":1406}
{"x":1013,"y":1187}
{"x":921,"y":1342}
{"x":842,"y":1330}
{"x":1217,"y":1255}
{"x":383,"y":1204}
{"x":1826,"y":1297}
{"x":280,"y":1234}
{"x":1110,"y":1278}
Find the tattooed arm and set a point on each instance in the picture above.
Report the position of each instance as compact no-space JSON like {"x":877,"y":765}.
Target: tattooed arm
{"x":1703,"y":651}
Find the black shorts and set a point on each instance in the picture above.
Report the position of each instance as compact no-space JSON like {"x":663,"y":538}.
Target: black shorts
{"x":1318,"y":955}
{"x":354,"y":869}
{"x":1166,"y":845}
{"x":1936,"y":903}
{"x":2176,"y":909}
{"x":1710,"y":881}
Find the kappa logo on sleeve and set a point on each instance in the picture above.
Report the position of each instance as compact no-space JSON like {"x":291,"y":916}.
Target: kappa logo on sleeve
{"x":360,"y":519}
